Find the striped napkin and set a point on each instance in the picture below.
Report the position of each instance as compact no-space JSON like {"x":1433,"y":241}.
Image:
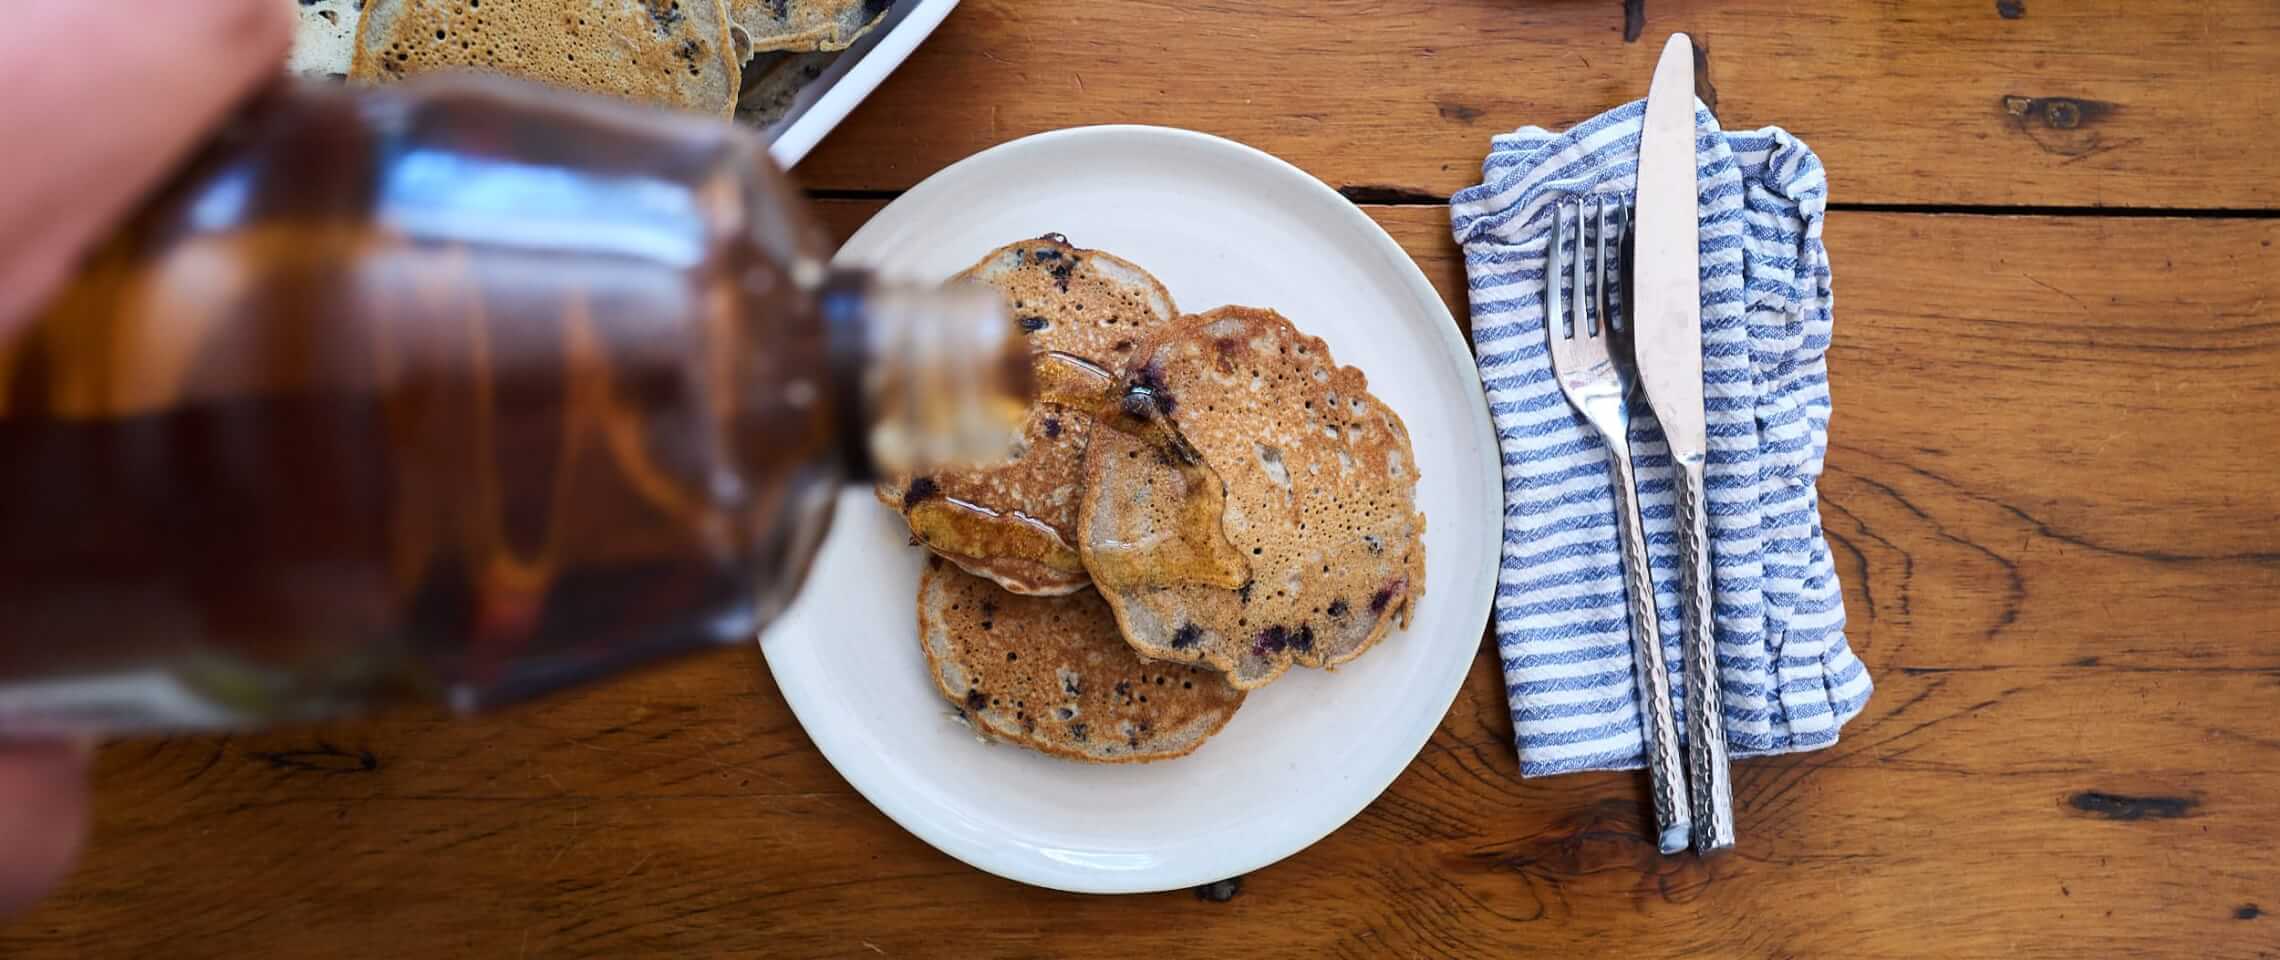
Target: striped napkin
{"x":1561,"y":627}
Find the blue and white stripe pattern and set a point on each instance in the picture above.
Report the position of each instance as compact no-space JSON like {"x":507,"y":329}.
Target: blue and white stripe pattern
{"x":1790,"y":680}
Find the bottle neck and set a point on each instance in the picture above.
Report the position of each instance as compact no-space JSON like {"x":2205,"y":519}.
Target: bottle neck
{"x":926,"y":378}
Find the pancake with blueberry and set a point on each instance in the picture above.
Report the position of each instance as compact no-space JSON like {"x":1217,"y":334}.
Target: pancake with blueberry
{"x":1052,"y":674}
{"x":1312,"y":482}
{"x":806,"y":26}
{"x":1015,"y":523}
{"x":675,"y":53}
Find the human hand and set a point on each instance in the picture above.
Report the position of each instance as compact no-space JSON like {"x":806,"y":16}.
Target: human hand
{"x":101,"y":100}
{"x":43,"y":817}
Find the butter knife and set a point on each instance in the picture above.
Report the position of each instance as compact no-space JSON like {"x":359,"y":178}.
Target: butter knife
{"x":1667,"y":308}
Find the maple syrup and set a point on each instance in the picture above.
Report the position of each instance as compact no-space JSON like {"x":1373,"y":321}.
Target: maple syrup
{"x":1195,"y":548}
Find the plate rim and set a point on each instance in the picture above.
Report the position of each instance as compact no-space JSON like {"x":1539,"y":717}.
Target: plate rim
{"x":902,"y":807}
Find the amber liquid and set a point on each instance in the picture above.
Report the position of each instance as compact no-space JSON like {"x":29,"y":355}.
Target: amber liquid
{"x":456,"y":392}
{"x":1195,"y":549}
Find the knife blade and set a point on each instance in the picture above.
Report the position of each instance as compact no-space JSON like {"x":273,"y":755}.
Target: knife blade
{"x":1667,"y":308}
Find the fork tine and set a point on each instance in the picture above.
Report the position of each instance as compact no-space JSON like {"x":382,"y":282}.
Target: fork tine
{"x":1620,"y":223}
{"x":1554,"y":310}
{"x":1576,"y":297}
{"x":1599,"y":228}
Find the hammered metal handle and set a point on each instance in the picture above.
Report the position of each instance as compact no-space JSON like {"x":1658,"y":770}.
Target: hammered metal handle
{"x":1664,"y":766}
{"x":1708,"y":777}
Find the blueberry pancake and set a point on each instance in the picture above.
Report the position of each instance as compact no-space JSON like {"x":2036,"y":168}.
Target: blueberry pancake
{"x":1320,"y":490}
{"x":806,"y":26}
{"x":678,"y":53}
{"x":1016,"y":523}
{"x":1051,"y":674}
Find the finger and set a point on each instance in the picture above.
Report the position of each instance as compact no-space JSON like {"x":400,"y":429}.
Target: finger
{"x":114,"y":95}
{"x":43,"y":818}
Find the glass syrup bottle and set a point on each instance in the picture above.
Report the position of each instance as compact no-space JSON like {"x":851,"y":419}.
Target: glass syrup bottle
{"x":463,"y":390}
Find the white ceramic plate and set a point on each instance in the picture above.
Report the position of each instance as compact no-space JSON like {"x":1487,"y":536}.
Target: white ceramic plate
{"x":1219,"y":223}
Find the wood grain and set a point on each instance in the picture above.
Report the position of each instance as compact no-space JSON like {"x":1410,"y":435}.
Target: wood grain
{"x":2049,"y":498}
{"x":1948,"y":102}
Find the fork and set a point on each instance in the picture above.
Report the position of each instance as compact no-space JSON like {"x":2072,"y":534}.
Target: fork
{"x":1594,"y":363}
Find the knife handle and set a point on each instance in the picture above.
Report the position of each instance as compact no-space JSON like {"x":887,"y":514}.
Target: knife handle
{"x":1665,"y":769}
{"x":1709,"y":778}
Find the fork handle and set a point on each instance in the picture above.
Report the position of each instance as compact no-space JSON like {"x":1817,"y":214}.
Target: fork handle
{"x":1664,"y":767}
{"x":1708,"y":777}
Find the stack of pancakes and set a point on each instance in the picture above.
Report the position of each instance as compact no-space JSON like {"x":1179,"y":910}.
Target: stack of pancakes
{"x":699,"y":55}
{"x":1309,"y":481}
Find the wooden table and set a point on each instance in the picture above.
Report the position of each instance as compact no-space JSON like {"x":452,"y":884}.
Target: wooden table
{"x":2057,"y":374}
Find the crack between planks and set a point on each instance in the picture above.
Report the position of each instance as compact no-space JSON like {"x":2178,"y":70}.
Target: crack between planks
{"x":2060,"y":210}
{"x":1393,"y":196}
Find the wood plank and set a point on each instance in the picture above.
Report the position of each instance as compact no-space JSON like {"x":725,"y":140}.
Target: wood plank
{"x":2062,"y":577}
{"x":709,"y":827}
{"x":2125,"y":104}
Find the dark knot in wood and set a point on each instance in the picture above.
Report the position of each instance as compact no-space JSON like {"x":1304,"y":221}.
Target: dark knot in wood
{"x":2059,"y":125}
{"x":2115,"y":806}
{"x":322,"y":758}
